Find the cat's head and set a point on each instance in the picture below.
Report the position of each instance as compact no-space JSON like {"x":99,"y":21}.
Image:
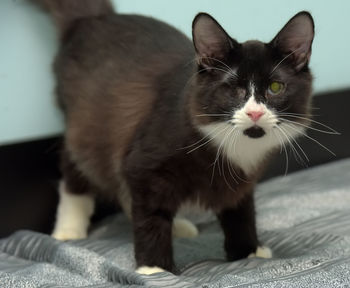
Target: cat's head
{"x":252,"y":97}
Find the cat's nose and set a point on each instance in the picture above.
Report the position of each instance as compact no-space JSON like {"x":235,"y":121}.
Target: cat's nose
{"x":255,"y":115}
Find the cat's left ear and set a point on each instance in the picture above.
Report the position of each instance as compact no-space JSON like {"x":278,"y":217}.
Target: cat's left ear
{"x":295,"y":39}
{"x":211,"y":42}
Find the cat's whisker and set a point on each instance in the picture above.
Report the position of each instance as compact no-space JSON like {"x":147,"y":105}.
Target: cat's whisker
{"x":229,"y":69}
{"x":220,"y":147}
{"x":222,"y":70}
{"x":283,"y":146}
{"x":195,"y":74}
{"x":234,"y":142}
{"x":229,"y":165}
{"x":312,"y":139}
{"x":296,"y":155}
{"x":216,"y":156}
{"x":272,"y":122}
{"x":311,"y":120}
{"x":200,"y":140}
{"x":279,"y":140}
{"x":310,"y":127}
{"x":296,"y":114}
{"x":213,"y":115}
{"x":217,"y":60}
{"x":206,"y":69}
{"x":295,"y":151}
{"x":192,"y":77}
{"x":279,"y":63}
{"x":233,"y":138}
{"x":223,"y":173}
{"x":206,"y":142}
{"x":201,"y":145}
{"x":238,"y":120}
{"x":193,"y":144}
{"x":227,"y":160}
{"x":295,"y":141}
{"x":284,"y":109}
{"x":215,"y":68}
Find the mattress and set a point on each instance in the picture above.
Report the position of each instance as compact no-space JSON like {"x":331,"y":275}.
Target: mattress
{"x":303,"y":217}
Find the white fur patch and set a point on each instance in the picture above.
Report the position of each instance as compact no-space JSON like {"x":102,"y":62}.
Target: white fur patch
{"x":242,"y":150}
{"x":73,"y":215}
{"x":245,"y":152}
{"x":262,"y":252}
{"x":183,"y":228}
{"x":146,"y":270}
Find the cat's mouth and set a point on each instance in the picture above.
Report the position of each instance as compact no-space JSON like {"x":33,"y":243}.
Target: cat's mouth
{"x":254,"y":132}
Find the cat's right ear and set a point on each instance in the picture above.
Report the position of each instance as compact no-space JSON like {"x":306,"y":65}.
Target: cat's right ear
{"x":211,"y":42}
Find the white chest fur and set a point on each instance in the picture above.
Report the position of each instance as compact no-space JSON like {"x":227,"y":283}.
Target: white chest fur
{"x":245,"y":152}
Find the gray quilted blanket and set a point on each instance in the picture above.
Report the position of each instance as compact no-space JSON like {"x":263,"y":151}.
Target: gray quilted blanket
{"x":304,"y":217}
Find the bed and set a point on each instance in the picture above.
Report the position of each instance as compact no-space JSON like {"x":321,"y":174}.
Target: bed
{"x":303,"y":217}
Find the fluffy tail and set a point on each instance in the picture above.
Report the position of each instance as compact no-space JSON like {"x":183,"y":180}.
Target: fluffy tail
{"x":65,"y":12}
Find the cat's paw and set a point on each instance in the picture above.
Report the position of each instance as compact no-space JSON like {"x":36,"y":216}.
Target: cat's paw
{"x":146,"y":270}
{"x":69,"y":234}
{"x":183,"y":228}
{"x":261,"y":252}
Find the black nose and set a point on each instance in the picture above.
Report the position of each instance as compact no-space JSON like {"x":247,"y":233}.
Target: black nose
{"x":254,"y":132}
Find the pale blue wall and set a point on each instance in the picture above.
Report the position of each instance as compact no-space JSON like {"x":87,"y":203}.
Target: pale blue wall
{"x":28,"y":43}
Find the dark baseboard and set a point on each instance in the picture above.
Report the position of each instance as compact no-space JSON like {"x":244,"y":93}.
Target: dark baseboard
{"x":29,"y":171}
{"x":28,"y":180}
{"x":29,"y":177}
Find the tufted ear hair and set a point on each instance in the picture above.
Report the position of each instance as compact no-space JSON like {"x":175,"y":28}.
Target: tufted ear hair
{"x":295,"y":39}
{"x":210,"y":40}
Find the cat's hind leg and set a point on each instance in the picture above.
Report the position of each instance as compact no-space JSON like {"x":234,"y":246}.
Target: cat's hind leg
{"x":73,"y":214}
{"x":76,"y":202}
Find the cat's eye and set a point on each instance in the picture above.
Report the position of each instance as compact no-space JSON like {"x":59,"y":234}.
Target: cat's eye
{"x":275,"y":88}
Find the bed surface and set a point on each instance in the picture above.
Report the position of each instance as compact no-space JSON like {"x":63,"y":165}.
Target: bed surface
{"x":303,"y":217}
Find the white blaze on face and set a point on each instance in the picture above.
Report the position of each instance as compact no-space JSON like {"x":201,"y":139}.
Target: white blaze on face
{"x":252,"y":105}
{"x":241,"y":116}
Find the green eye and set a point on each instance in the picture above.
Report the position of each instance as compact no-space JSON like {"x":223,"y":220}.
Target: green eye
{"x":275,"y":88}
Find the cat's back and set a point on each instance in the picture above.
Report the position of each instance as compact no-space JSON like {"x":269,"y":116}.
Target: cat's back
{"x":117,"y":50}
{"x":109,"y":70}
{"x":123,"y":40}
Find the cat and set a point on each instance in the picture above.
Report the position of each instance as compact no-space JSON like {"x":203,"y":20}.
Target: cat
{"x":155,"y":121}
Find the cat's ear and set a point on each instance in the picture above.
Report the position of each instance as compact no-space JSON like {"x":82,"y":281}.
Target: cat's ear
{"x":211,"y":42}
{"x":295,"y":39}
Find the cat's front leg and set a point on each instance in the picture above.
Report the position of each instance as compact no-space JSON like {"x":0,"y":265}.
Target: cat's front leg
{"x":152,"y":217}
{"x":153,"y":240}
{"x":238,"y":224}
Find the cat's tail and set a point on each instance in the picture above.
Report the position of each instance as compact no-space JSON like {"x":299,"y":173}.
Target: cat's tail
{"x":66,"y":12}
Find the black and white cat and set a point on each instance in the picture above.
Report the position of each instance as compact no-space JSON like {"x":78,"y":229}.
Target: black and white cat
{"x":154,"y":121}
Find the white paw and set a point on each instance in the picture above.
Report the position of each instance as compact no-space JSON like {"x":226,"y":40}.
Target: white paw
{"x":73,"y":215}
{"x":69,"y":234}
{"x":261,"y":252}
{"x":146,"y":270}
{"x":182,"y":228}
